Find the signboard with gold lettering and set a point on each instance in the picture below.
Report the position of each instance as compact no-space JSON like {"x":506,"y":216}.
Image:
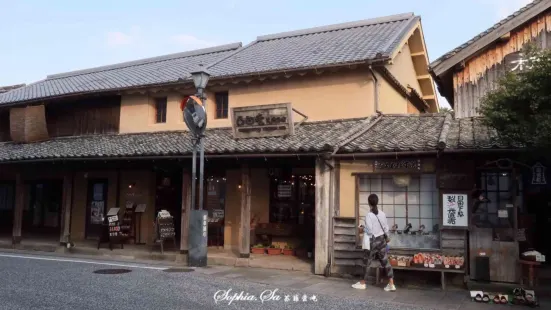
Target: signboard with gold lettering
{"x":270,"y":120}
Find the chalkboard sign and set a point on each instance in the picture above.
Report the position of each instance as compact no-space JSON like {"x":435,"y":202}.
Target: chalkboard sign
{"x":166,"y":228}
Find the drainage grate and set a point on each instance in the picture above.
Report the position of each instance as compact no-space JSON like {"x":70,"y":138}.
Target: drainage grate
{"x":112,"y":271}
{"x":178,"y":270}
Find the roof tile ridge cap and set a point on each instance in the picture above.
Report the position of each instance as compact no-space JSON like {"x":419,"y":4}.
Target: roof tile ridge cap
{"x":357,"y":130}
{"x":148,"y":60}
{"x":400,"y":33}
{"x":336,"y":27}
{"x":442,"y":139}
{"x":238,"y":50}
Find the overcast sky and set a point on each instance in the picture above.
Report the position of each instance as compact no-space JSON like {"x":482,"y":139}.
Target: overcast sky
{"x":40,"y":37}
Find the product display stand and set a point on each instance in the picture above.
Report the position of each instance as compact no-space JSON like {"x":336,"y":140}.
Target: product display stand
{"x":165,"y":230}
{"x":140,"y":209}
{"x":127,"y":224}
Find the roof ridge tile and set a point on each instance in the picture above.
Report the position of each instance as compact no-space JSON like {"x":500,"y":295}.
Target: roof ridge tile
{"x":335,"y":27}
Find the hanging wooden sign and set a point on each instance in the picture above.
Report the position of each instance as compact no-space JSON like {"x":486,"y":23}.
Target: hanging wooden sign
{"x":403,"y":165}
{"x":270,"y":120}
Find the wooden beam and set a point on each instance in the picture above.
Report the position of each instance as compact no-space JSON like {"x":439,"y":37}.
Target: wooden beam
{"x":66,"y":209}
{"x":18,"y":210}
{"x":186,"y":209}
{"x":323,"y":217}
{"x":245,"y":229}
{"x":418,"y":54}
{"x":423,"y":77}
{"x":428,"y":97}
{"x":490,"y":37}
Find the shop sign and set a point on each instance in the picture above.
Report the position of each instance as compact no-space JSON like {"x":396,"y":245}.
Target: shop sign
{"x":398,"y":165}
{"x":455,"y":211}
{"x":284,"y":190}
{"x":218,"y":214}
{"x":271,"y":120}
{"x":538,"y":174}
{"x":518,"y":62}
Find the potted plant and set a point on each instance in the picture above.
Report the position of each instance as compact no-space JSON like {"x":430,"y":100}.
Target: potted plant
{"x":258,"y":249}
{"x":288,"y":250}
{"x":273,"y":250}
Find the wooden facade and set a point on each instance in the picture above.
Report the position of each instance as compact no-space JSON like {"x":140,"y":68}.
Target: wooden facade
{"x":88,"y":116}
{"x":479,"y":74}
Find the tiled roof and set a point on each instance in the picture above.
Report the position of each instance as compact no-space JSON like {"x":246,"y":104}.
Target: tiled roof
{"x":484,"y":33}
{"x":387,"y":133}
{"x":309,"y":137}
{"x":471,"y":133}
{"x":4,"y":89}
{"x":339,"y":44}
{"x":152,"y":71}
{"x":395,"y":133}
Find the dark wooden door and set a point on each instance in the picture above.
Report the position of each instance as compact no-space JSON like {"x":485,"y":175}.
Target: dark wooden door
{"x":96,"y":207}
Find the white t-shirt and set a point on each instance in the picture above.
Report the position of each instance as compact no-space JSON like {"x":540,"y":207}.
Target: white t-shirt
{"x":373,"y":226}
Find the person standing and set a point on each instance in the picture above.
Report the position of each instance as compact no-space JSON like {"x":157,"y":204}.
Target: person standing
{"x":376,"y":226}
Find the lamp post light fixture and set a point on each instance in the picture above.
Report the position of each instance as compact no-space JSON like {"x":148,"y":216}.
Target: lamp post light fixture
{"x":200,"y":79}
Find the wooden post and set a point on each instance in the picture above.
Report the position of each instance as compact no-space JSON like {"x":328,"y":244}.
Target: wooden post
{"x":245,"y":229}
{"x":323,"y":216}
{"x":18,"y":210}
{"x":66,"y":209}
{"x":186,"y":209}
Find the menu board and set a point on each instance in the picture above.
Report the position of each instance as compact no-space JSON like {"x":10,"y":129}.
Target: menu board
{"x":114,"y":227}
{"x":165,"y":228}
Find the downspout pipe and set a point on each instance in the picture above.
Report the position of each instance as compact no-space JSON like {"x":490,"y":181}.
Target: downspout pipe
{"x":375,"y":89}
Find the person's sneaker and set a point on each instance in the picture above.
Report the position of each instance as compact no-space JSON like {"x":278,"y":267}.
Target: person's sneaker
{"x":359,"y":286}
{"x":390,"y":288}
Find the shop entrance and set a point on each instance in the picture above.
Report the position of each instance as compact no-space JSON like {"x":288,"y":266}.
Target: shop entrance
{"x":42,"y":213}
{"x":96,"y":205}
{"x":291,"y":213}
{"x":168,"y":196}
{"x":538,"y":206}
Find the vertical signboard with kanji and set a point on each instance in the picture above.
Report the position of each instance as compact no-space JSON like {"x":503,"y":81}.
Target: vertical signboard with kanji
{"x":455,"y":213}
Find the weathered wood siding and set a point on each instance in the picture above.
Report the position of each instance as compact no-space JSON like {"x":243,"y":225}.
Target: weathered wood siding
{"x":481,"y":72}
{"x":345,"y":252}
{"x":91,"y":116}
{"x":84,"y":117}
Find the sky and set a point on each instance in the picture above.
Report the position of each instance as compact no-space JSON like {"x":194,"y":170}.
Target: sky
{"x":40,"y":37}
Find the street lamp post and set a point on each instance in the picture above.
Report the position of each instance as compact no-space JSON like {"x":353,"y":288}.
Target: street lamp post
{"x":200,"y":79}
{"x":195,"y":116}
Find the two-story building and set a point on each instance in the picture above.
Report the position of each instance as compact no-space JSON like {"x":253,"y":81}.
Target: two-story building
{"x":506,"y":223}
{"x":78,"y":144}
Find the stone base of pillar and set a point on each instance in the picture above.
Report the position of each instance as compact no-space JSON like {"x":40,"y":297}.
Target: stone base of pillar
{"x":16,"y":240}
{"x":244,"y":255}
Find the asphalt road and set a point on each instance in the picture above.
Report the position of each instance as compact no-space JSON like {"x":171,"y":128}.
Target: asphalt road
{"x":46,"y":282}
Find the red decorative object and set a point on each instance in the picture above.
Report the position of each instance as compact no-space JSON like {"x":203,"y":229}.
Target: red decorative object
{"x":258,"y":250}
{"x":288,"y":252}
{"x":274,"y":251}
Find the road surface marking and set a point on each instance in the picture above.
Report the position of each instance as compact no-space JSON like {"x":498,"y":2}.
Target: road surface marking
{"x":81,"y":261}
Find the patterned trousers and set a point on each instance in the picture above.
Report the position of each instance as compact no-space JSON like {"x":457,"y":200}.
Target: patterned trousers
{"x":378,"y":252}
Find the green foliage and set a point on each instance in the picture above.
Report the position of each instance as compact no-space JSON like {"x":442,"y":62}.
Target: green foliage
{"x":445,"y":110}
{"x":519,"y":108}
{"x":259,"y":246}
